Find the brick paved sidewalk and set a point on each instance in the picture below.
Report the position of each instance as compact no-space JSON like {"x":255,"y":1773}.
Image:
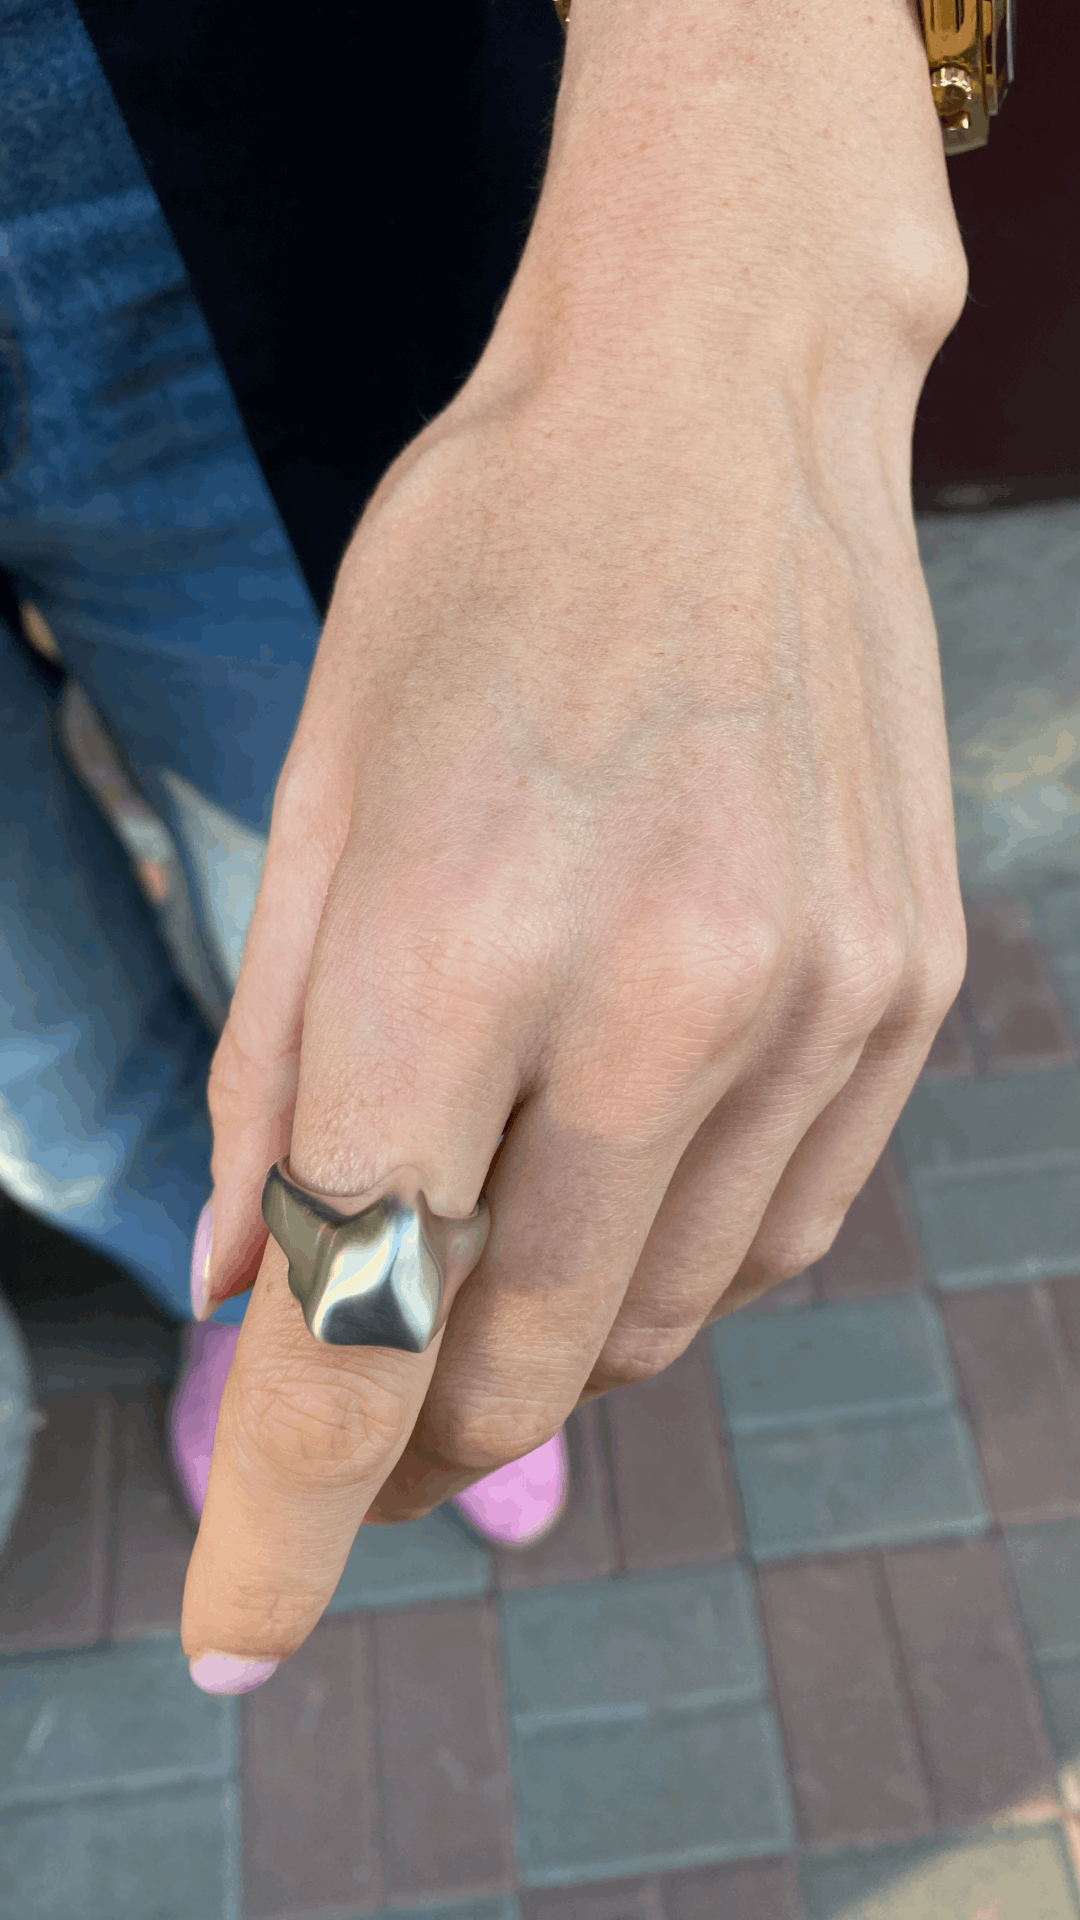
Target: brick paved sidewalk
{"x":806,"y":1646}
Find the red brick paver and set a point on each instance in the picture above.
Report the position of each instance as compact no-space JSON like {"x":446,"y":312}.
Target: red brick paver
{"x":951,"y":1056}
{"x":152,"y":1537}
{"x":54,"y":1578}
{"x":980,"y":1721}
{"x":311,"y":1798}
{"x":748,"y":1890}
{"x":876,"y":1250}
{"x":447,"y":1801}
{"x":1006,"y":1345}
{"x":613,"y":1900}
{"x":674,"y":1494}
{"x":1064,"y":1295}
{"x":752,"y":1890}
{"x":854,"y":1763}
{"x":585,"y":1544}
{"x":1010,"y":989}
{"x":802,"y":1290}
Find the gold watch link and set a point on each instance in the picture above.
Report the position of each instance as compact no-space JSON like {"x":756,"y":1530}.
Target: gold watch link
{"x":969,"y":44}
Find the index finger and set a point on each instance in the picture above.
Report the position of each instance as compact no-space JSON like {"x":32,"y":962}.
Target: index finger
{"x":306,"y":1435}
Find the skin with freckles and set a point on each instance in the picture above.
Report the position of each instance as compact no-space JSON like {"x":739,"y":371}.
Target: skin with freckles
{"x":619,"y":806}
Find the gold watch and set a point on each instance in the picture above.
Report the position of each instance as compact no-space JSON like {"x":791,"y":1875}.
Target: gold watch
{"x":969,"y":44}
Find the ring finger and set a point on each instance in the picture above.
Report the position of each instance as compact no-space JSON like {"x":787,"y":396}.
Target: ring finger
{"x":706,"y":1256}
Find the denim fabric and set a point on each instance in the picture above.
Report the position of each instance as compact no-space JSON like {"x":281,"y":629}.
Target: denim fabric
{"x":134,"y":515}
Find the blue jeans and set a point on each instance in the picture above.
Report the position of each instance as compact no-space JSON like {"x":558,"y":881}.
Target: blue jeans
{"x":134,"y":515}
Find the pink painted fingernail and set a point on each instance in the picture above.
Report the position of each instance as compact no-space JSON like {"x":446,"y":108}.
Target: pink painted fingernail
{"x":200,"y":1262}
{"x":227,"y":1673}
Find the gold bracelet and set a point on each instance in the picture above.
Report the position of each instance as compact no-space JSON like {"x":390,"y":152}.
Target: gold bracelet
{"x":969,"y":44}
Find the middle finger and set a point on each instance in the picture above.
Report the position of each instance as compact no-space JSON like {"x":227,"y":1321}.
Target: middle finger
{"x":571,"y":1218}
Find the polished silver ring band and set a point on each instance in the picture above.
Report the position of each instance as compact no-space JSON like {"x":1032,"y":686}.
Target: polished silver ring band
{"x":382,"y":1274}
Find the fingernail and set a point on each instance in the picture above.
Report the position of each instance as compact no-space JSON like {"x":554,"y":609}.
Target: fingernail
{"x":227,"y":1673}
{"x":200,"y":1263}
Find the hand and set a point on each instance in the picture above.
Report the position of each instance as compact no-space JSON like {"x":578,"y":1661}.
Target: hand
{"x":618,"y":818}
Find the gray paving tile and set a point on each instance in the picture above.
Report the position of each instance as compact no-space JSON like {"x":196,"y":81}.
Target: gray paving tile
{"x":638,"y":1795}
{"x":641,"y":1735}
{"x":168,"y":1855}
{"x":1046,"y":1564}
{"x":832,"y":1363}
{"x":844,"y":1427}
{"x":877,"y":1483}
{"x":429,"y":1559}
{"x":634,"y":1645}
{"x":1067,"y":976}
{"x":1024,"y":1120}
{"x":1022,"y":1876}
{"x":83,"y":1723}
{"x":1060,"y":1685}
{"x":1055,"y":916}
{"x":996,"y":1227}
{"x":1055,"y":913}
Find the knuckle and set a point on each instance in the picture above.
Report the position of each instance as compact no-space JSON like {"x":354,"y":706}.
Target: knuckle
{"x":229,"y":1070}
{"x":932,"y":979}
{"x":939,"y":970}
{"x":326,"y":1431}
{"x":479,"y":1440}
{"x":633,"y":1361}
{"x":785,"y":1258}
{"x":250,"y":1065}
{"x":715,"y":973}
{"x":737,"y":964}
{"x":674,"y":989}
{"x":866,"y":972}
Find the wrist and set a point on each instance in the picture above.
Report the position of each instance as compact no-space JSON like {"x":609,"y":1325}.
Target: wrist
{"x":717,"y":193}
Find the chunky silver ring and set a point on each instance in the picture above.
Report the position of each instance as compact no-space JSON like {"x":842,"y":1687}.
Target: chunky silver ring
{"x":372,"y":1273}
